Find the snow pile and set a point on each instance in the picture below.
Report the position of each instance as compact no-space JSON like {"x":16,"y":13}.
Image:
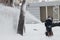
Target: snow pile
{"x":9,"y":21}
{"x":9,"y":18}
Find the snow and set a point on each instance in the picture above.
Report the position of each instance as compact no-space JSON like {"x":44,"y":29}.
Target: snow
{"x":8,"y":26}
{"x":9,"y":17}
{"x":39,"y":33}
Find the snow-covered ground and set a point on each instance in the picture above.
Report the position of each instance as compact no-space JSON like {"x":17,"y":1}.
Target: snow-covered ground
{"x":8,"y":26}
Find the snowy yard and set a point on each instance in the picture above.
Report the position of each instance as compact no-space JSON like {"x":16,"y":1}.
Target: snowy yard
{"x":9,"y":21}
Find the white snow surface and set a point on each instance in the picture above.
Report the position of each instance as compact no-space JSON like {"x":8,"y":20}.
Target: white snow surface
{"x":8,"y":27}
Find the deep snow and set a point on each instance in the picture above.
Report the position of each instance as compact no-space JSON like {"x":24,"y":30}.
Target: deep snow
{"x":8,"y":26}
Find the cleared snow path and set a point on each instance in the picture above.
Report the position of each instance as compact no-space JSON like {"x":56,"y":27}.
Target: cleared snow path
{"x":37,"y":32}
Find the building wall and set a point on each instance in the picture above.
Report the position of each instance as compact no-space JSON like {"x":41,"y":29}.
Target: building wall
{"x":40,"y":13}
{"x":32,"y":1}
{"x":35,"y":11}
